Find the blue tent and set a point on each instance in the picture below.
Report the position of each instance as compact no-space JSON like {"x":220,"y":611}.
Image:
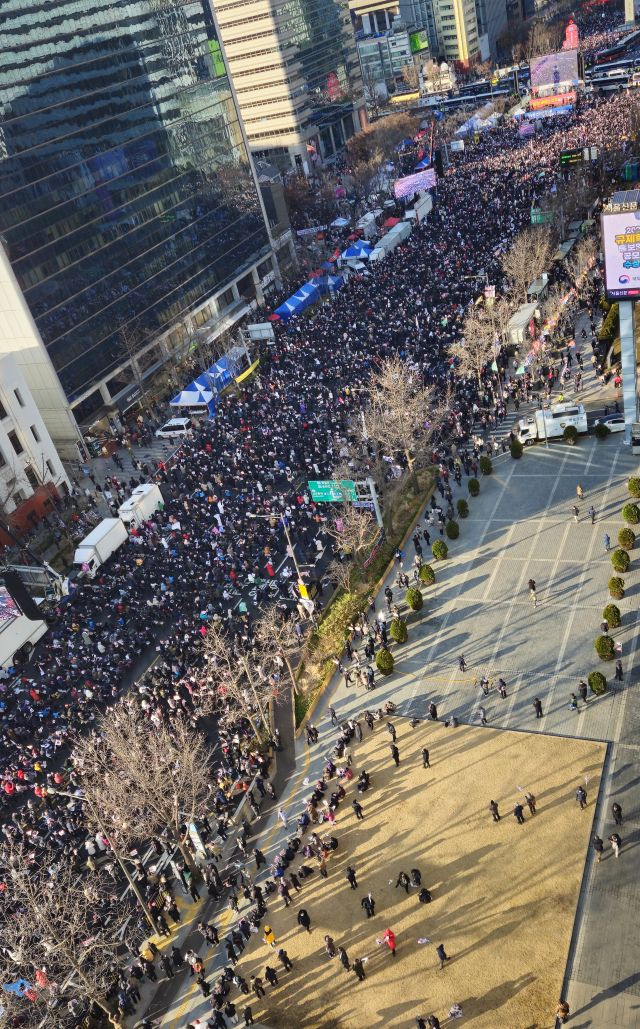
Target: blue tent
{"x":357,"y":250}
{"x":424,"y":163}
{"x":328,"y":283}
{"x":305,"y":297}
{"x":220,"y":373}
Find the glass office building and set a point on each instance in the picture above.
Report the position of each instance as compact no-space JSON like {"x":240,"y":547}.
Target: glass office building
{"x":126,"y":193}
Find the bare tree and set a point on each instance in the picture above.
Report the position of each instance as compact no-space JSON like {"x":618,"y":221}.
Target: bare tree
{"x":355,"y":532}
{"x":477,"y":348}
{"x":154,"y":776}
{"x":411,"y":76}
{"x":55,"y":935}
{"x":581,"y":261}
{"x":528,"y":257}
{"x":277,"y":639}
{"x":402,"y":413}
{"x":239,"y":683}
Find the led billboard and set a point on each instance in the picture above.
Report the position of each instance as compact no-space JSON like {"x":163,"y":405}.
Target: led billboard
{"x":8,"y":607}
{"x":554,"y":73}
{"x":411,"y":184}
{"x":621,"y":247}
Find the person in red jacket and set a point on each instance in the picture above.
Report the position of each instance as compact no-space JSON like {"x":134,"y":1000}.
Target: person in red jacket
{"x":389,"y":938}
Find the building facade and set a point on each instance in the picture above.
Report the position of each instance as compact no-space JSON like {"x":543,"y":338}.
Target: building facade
{"x":295,"y":71}
{"x":457,"y":29}
{"x":128,"y":203}
{"x":31,"y":472}
{"x":384,"y":56}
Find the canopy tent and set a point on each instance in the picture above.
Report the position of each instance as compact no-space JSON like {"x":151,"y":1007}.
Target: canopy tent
{"x":328,"y":283}
{"x":421,"y":165}
{"x":296,"y":304}
{"x":358,"y":250}
{"x":340,"y":223}
{"x":194,"y":396}
{"x":390,"y":222}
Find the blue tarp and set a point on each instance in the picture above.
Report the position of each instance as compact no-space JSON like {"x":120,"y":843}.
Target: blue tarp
{"x":328,"y":283}
{"x":305,"y":297}
{"x":358,"y":250}
{"x":424,"y":163}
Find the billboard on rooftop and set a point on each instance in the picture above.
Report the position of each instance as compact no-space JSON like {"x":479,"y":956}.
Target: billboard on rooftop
{"x":553,"y":74}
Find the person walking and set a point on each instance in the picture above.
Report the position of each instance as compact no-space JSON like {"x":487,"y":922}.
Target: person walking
{"x":359,"y":810}
{"x":442,"y":954}
{"x":282,"y":817}
{"x":518,"y":813}
{"x":404,"y":881}
{"x":256,"y":985}
{"x":618,"y":673}
{"x":607,"y":542}
{"x":167,"y":967}
{"x":333,"y":716}
{"x":562,"y":1012}
{"x":425,"y":758}
{"x":358,"y":968}
{"x":483,"y":715}
{"x":344,"y":959}
{"x":350,"y":876}
{"x":389,"y":937}
{"x":598,"y":846}
{"x":575,"y":512}
{"x":493,"y":808}
{"x":592,"y":514}
{"x":537,"y":704}
{"x":615,"y":842}
{"x":247,"y":1014}
{"x":616,"y":811}
{"x":532,"y":592}
{"x":285,"y":960}
{"x":260,"y":858}
{"x":579,"y":492}
{"x":581,"y":797}
{"x":531,"y":802}
{"x":369,"y":905}
{"x":271,"y":975}
{"x":303,"y":919}
{"x":269,"y":936}
{"x":330,"y":947}
{"x":462,"y":664}
{"x":583,"y":691}
{"x":391,"y":729}
{"x":395,"y":754}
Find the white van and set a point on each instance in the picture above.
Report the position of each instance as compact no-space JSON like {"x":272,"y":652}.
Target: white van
{"x":175,"y":428}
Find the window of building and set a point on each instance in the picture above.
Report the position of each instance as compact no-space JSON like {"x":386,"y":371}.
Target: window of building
{"x":35,"y":434}
{"x":50,"y":467}
{"x":3,"y":460}
{"x":15,"y":442}
{"x":18,"y":395}
{"x":3,"y":413}
{"x":32,"y":477}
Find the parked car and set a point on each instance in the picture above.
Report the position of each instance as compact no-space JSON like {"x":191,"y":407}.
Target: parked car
{"x":614,"y":422}
{"x":174,"y":428}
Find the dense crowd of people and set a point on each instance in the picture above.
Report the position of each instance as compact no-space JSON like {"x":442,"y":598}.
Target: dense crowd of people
{"x":218,"y":548}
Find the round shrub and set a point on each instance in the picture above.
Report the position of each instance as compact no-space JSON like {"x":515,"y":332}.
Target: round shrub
{"x":570,"y":434}
{"x":620,"y":561}
{"x":452,"y":529}
{"x":612,"y":616}
{"x":462,"y":508}
{"x":413,"y":598}
{"x":474,"y":487}
{"x":486,"y":466}
{"x":384,"y":661}
{"x":604,"y":648}
{"x":633,"y":486}
{"x":398,"y":630}
{"x":631,"y":513}
{"x":627,"y":538}
{"x":516,"y":449}
{"x":597,"y":683}
{"x":439,"y":549}
{"x":601,"y":431}
{"x":427,"y":575}
{"x":616,"y":587}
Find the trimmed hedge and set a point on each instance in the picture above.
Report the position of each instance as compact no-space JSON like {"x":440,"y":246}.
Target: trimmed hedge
{"x":605,"y":648}
{"x":440,"y":550}
{"x":616,"y":587}
{"x":610,"y":326}
{"x":452,"y":529}
{"x":620,"y":561}
{"x":398,"y":630}
{"x":633,"y":486}
{"x":516,"y":449}
{"x":597,"y":683}
{"x":486,"y":466}
{"x":612,"y":615}
{"x":627,"y":538}
{"x":570,"y":434}
{"x":474,"y":487}
{"x":631,"y":513}
{"x":601,"y":431}
{"x":427,"y":575}
{"x":384,"y":661}
{"x":413,"y":598}
{"x":462,"y":508}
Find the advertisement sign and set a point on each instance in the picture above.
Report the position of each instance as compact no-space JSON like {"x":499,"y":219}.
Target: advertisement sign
{"x":570,"y":36}
{"x":456,"y":146}
{"x":411,"y":184}
{"x":554,"y":73}
{"x":621,"y":247}
{"x":553,"y":100}
{"x":570,"y":157}
{"x":418,"y":41}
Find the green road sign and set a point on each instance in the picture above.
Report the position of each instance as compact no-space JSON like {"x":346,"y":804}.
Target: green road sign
{"x":327,"y":490}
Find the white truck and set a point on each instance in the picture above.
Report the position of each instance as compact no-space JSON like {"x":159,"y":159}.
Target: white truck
{"x":551,"y":423}
{"x":18,"y":637}
{"x":100,"y":544}
{"x":143,"y":502}
{"x":390,"y":241}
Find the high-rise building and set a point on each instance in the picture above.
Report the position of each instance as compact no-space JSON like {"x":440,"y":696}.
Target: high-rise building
{"x":492,"y":23}
{"x":129,"y":210}
{"x":296,"y":74}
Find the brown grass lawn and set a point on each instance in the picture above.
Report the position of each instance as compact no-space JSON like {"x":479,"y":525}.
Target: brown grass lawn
{"x":504,"y":894}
